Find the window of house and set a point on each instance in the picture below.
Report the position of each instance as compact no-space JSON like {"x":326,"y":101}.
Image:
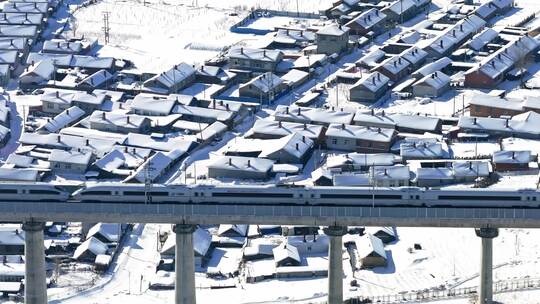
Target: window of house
{"x":334,"y":141}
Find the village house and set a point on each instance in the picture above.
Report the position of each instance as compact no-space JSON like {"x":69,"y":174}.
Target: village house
{"x":291,"y":149}
{"x":370,"y":252}
{"x":470,"y":170}
{"x":332,"y":39}
{"x":370,"y":23}
{"x":511,"y":160}
{"x":394,"y":68}
{"x":64,"y":119}
{"x":369,"y":88}
{"x":263,"y":88}
{"x":271,"y":129}
{"x":286,"y":255}
{"x":389,"y":176}
{"x":523,"y":125}
{"x":59,"y":46}
{"x":56,"y":101}
{"x":483,"y":105}
{"x":238,"y":167}
{"x":118,"y":123}
{"x":88,"y":102}
{"x":72,"y":161}
{"x":36,"y":74}
{"x":316,"y":116}
{"x":359,"y":138}
{"x":254,"y":59}
{"x":171,"y":81}
{"x":433,"y":85}
{"x":150,"y":105}
{"x":99,"y":79}
{"x":434,"y":177}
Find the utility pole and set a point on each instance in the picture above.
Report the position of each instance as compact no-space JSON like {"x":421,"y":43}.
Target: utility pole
{"x":106,"y":28}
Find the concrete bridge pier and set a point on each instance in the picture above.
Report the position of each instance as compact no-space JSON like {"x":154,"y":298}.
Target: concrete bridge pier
{"x":335,"y":264}
{"x":35,"y":287}
{"x":485,"y":295}
{"x":185,"y":265}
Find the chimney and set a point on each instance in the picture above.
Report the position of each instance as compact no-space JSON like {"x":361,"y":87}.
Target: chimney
{"x":461,"y":27}
{"x":382,"y":113}
{"x":230,"y":161}
{"x":305,"y":126}
{"x":286,"y":110}
{"x":214,"y":103}
{"x":379,"y":130}
{"x":103,"y":115}
{"x":454,"y":33}
{"x":87,"y":142}
{"x":242,"y":50}
{"x":279,"y":123}
{"x":57,"y":94}
{"x":506,"y":123}
{"x":470,"y":165}
{"x":436,"y":74}
{"x":373,"y":80}
{"x":377,"y":13}
{"x":11,"y":42}
{"x":474,"y":121}
{"x":303,"y":139}
{"x":379,"y":76}
{"x":372,"y":112}
{"x":58,"y":138}
{"x":441,"y":43}
{"x":343,"y":126}
{"x":493,"y":64}
{"x":67,"y":111}
{"x":249,"y":163}
{"x":499,"y":56}
{"x":264,"y":53}
{"x":202,"y":67}
{"x":125,"y":149}
{"x":227,"y":107}
{"x":385,"y":172}
{"x":297,"y":148}
{"x":127,"y":119}
{"x":433,"y":76}
{"x":332,"y":108}
{"x":369,"y":17}
{"x":221,"y":102}
{"x":299,"y":111}
{"x":395,"y":64}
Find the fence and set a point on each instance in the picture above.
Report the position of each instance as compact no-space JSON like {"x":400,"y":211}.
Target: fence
{"x":442,"y":294}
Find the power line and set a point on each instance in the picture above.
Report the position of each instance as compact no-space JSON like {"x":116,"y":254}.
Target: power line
{"x":106,"y":28}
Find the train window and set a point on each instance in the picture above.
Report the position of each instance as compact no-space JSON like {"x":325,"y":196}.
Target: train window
{"x":8,"y":191}
{"x":43,"y":192}
{"x":534,"y":198}
{"x":361,"y":196}
{"x":159,"y":193}
{"x":479,"y":198}
{"x":137,"y":193}
{"x":96,"y":192}
{"x":301,"y":195}
{"x":418,"y":197}
{"x":247,"y":194}
{"x":196,"y":193}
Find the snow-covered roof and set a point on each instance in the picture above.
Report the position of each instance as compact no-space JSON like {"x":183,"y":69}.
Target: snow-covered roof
{"x":371,"y":58}
{"x":373,"y":81}
{"x":62,"y":46}
{"x":42,"y":68}
{"x":23,"y":174}
{"x":369,"y":18}
{"x":239,"y":230}
{"x":289,"y":36}
{"x":93,"y":245}
{"x":152,"y":104}
{"x":415,"y":122}
{"x":201,"y":243}
{"x":294,"y":76}
{"x":64,"y":119}
{"x":433,"y":67}
{"x":390,"y":173}
{"x":511,"y":157}
{"x":311,"y":115}
{"x":293,"y":144}
{"x":20,"y":160}
{"x":495,"y":102}
{"x":218,"y":115}
{"x":400,"y":6}
{"x":118,"y":119}
{"x":110,"y":231}
{"x":360,"y":159}
{"x":211,"y":131}
{"x":63,"y":141}
{"x":266,"y":82}
{"x":255,"y":54}
{"x":58,"y":96}
{"x":368,"y":244}
{"x":285,"y":251}
{"x":434,"y":174}
{"x":16,"y":30}
{"x":122,"y":157}
{"x":525,"y":123}
{"x":485,"y":10}
{"x":436,"y":80}
{"x":471,"y":168}
{"x":26,"y":7}
{"x":361,"y":132}
{"x":155,"y":166}
{"x":241,"y":164}
{"x":333,"y":30}
{"x":13,"y":43}
{"x":97,"y":79}
{"x":21,"y":18}
{"x":309,"y":60}
{"x":423,"y":150}
{"x":173,"y":76}
{"x":413,"y":54}
{"x":72,"y":156}
{"x":162,"y":144}
{"x":276,"y":128}
{"x":483,"y":38}
{"x":394,"y":64}
{"x":89,"y":98}
{"x":8,"y":57}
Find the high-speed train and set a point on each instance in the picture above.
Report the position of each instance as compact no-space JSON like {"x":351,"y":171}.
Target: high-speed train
{"x":269,"y":195}
{"x":294,"y":195}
